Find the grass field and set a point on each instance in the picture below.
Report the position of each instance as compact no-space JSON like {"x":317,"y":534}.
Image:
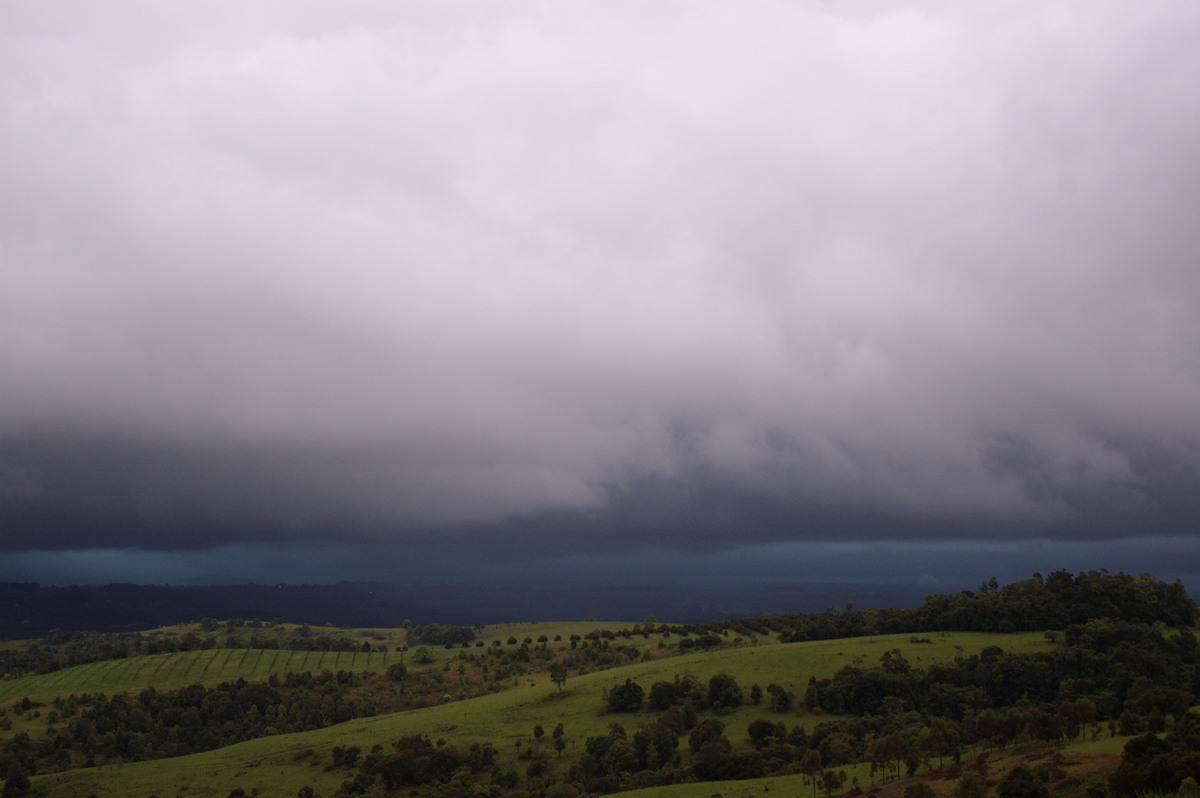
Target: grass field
{"x":171,"y":671}
{"x":280,"y":765}
{"x":213,"y":666}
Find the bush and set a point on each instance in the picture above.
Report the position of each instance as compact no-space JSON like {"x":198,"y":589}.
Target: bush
{"x":628,"y":697}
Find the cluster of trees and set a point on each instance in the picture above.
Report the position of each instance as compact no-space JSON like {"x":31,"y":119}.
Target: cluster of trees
{"x":1160,"y":764}
{"x":720,"y":694}
{"x":97,"y":729}
{"x":415,"y":761}
{"x":1056,"y":601}
{"x":1130,"y":674}
{"x":1115,"y":675}
{"x":438,"y":635}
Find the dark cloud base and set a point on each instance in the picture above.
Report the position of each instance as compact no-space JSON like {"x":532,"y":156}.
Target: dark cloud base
{"x":930,"y":566}
{"x":519,"y":289}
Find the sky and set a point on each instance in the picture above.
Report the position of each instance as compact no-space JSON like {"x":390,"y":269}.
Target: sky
{"x":599,"y":292}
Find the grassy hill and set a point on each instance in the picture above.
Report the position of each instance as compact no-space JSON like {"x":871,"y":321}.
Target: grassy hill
{"x":180,"y":669}
{"x":281,"y":765}
{"x":843,"y":701}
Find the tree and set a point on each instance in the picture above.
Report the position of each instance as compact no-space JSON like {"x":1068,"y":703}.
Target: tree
{"x":714,"y":760}
{"x":894,"y":662}
{"x":706,"y":731}
{"x":832,"y":781}
{"x":724,"y":693}
{"x":1021,"y":783}
{"x":811,"y":766}
{"x":558,"y":674}
{"x":919,"y":790}
{"x":970,"y":785}
{"x":762,"y":732}
{"x":781,"y":700}
{"x":655,"y":745}
{"x":557,"y":736}
{"x":628,"y":697}
{"x":17,"y":783}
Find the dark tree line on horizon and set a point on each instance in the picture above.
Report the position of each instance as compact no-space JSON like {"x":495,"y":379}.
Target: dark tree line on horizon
{"x":1056,"y":601}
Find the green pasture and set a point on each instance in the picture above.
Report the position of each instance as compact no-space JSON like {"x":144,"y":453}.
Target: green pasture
{"x":398,"y":637}
{"x":390,"y":637}
{"x":564,"y":630}
{"x":210,"y":667}
{"x":280,"y":765}
{"x":181,"y":669}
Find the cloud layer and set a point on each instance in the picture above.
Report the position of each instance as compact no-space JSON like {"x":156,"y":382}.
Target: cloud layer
{"x":688,"y":274}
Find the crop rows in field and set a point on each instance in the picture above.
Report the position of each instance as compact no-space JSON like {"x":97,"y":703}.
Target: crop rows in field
{"x":180,"y":669}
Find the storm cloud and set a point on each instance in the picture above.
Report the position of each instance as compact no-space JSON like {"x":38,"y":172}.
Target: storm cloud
{"x":547,"y":278}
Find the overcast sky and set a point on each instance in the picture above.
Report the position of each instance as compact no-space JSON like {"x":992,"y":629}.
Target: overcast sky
{"x":770,"y":289}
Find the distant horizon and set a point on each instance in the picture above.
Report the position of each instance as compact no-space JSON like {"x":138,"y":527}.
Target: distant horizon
{"x":36,"y":610}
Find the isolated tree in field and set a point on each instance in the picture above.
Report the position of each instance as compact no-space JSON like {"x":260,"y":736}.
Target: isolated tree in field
{"x":894,"y":662}
{"x":558,"y":674}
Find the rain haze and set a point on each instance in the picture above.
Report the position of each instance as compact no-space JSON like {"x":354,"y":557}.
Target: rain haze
{"x":607,"y":293}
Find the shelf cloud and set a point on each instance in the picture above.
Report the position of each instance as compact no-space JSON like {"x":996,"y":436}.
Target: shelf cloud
{"x":509,"y":277}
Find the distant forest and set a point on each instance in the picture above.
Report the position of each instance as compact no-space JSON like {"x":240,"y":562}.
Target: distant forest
{"x":30,"y":610}
{"x":1055,"y":601}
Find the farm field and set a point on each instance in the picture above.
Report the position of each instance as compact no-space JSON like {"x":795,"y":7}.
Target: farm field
{"x":571,"y":708}
{"x":283,"y":764}
{"x":180,"y":669}
{"x":213,"y":666}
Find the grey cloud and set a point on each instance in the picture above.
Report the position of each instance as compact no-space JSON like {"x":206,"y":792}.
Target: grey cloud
{"x":689,"y":274}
